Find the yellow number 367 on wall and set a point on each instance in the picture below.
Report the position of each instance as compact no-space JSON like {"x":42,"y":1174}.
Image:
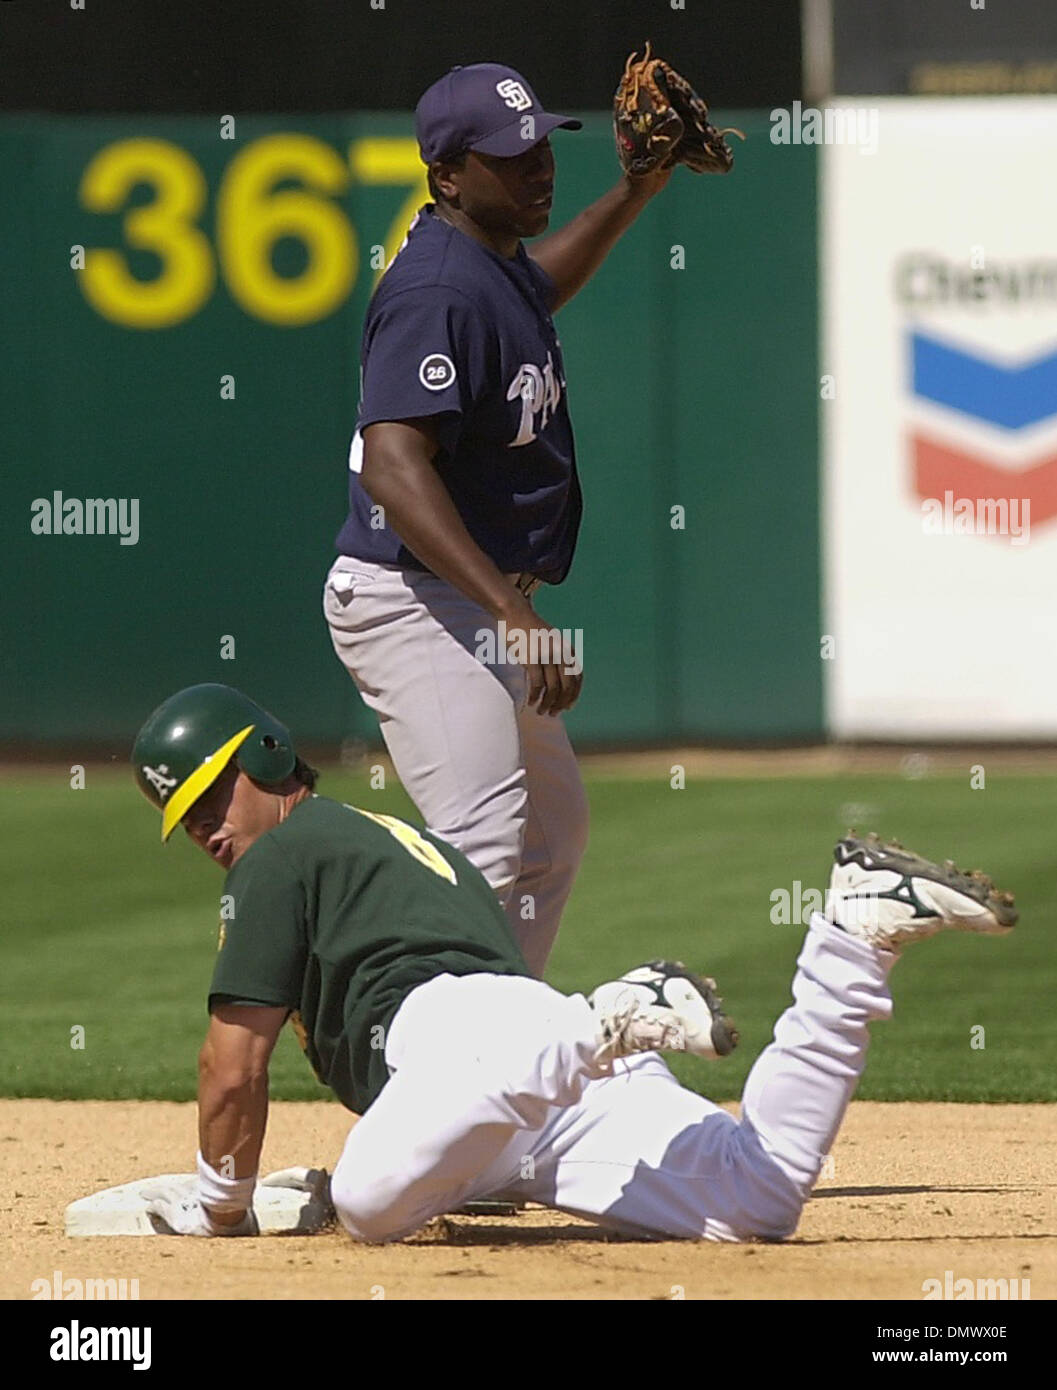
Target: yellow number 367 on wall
{"x":252,"y":216}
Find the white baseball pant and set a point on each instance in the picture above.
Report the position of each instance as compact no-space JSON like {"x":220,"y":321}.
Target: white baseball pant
{"x":488,"y":775}
{"x":495,"y":1093}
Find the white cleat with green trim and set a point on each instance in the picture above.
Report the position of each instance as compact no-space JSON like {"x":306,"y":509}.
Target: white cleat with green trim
{"x":661,"y":1007}
{"x":888,"y":896}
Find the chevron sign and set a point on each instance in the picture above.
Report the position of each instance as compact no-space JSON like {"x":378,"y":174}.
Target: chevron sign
{"x":1011,"y":398}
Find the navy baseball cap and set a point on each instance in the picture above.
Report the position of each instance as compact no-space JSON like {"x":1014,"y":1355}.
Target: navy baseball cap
{"x":484,"y":107}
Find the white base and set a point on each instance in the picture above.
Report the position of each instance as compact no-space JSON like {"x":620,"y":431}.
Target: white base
{"x":293,"y":1201}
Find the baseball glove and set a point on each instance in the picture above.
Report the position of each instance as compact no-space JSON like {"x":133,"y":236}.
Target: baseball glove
{"x":659,"y":120}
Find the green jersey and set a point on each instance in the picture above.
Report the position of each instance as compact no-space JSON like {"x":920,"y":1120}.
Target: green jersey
{"x":337,"y":914}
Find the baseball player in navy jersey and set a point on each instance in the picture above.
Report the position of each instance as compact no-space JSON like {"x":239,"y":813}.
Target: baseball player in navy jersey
{"x":464,"y":496}
{"x":395,"y":964}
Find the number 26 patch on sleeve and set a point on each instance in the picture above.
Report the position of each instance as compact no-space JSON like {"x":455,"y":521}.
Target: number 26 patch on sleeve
{"x":436,"y":372}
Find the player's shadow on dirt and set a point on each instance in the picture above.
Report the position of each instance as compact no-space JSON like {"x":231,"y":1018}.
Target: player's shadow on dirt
{"x":987,"y":1237}
{"x":472,"y":1231}
{"x":904,"y":1191}
{"x":445,"y":1232}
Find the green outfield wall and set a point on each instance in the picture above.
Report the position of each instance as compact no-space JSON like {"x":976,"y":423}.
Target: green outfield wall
{"x":181,"y":326}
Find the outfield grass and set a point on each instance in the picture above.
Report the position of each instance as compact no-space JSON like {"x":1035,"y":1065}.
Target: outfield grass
{"x":104,"y":929}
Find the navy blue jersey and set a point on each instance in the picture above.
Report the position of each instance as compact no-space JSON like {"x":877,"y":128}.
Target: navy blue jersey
{"x":463,"y":335}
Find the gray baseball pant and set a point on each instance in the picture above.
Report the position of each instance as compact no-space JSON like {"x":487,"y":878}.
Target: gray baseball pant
{"x":492,"y":777}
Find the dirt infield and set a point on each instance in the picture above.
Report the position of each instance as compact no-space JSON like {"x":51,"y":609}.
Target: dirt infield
{"x":916,"y":1190}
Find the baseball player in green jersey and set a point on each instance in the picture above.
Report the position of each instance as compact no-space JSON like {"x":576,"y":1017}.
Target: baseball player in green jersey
{"x":392,"y":958}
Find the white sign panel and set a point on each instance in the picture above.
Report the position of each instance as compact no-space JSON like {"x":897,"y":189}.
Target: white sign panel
{"x":939,"y":415}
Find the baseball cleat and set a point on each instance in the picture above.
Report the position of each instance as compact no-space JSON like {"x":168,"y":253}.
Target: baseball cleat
{"x":887,"y":895}
{"x":661,"y":1007}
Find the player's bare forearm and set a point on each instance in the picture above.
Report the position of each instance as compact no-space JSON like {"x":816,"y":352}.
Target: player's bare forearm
{"x":233,"y":1090}
{"x":232,"y":1117}
{"x":571,"y":255}
{"x":399,"y":476}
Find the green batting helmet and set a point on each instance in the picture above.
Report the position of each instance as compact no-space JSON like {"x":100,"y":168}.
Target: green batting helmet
{"x":189,"y":740}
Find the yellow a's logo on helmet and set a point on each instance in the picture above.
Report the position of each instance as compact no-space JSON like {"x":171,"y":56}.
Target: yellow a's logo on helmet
{"x":159,"y":780}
